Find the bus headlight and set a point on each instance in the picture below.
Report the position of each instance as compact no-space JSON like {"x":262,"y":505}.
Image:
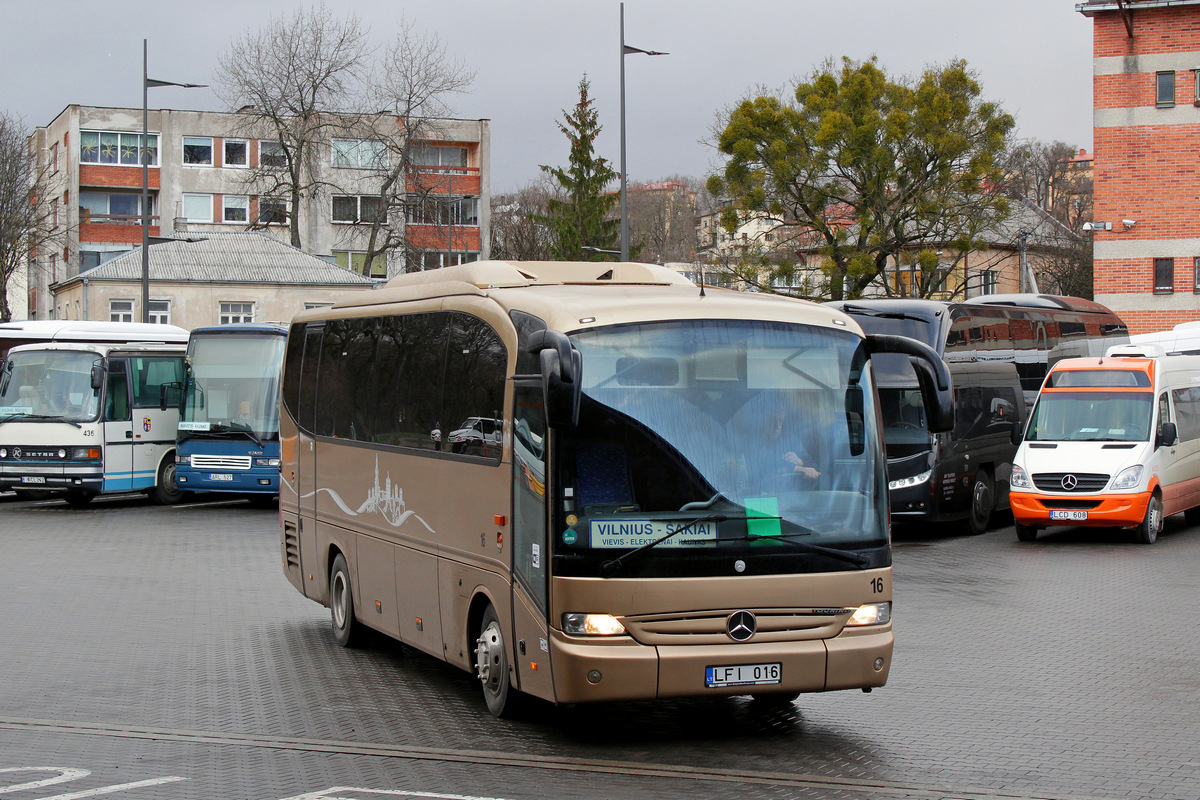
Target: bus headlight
{"x":871,"y":614}
{"x":85,"y":453}
{"x":266,"y":462}
{"x":1018,"y":479}
{"x":185,"y":460}
{"x":915,"y":480}
{"x":592,"y":625}
{"x":1128,"y":478}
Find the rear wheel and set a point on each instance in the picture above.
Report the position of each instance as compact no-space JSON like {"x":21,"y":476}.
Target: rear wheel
{"x":1147,"y":532}
{"x":347,"y":630}
{"x":983,"y":500}
{"x":79,"y":499}
{"x":1025,"y":533}
{"x":491,"y":664}
{"x":166,"y":491}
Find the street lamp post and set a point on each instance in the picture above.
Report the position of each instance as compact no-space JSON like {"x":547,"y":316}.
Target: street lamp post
{"x":625,"y":50}
{"x":148,"y":82}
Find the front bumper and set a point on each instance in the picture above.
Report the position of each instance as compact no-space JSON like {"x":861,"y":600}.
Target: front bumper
{"x":263,"y":479}
{"x":1110,"y":510}
{"x":54,"y":477}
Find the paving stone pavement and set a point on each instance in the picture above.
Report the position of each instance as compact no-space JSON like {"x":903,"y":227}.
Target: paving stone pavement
{"x":141,"y":642}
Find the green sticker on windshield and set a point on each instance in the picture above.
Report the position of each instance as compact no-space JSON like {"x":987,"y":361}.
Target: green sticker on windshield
{"x":763,"y":507}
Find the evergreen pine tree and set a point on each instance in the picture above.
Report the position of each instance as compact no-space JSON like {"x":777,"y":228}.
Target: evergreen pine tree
{"x":583,"y":216}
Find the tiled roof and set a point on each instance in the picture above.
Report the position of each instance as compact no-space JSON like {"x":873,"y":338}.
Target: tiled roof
{"x":227,"y":258}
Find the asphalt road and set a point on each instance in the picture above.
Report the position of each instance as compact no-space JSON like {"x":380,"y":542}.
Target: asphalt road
{"x":159,"y":653}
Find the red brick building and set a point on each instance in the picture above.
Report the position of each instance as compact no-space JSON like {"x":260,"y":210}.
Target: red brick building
{"x":1146,"y":101}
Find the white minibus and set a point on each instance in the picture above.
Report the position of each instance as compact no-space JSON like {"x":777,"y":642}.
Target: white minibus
{"x":1112,"y":441}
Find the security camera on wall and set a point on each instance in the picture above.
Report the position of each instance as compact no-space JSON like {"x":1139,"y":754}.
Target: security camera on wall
{"x":1129,"y":223}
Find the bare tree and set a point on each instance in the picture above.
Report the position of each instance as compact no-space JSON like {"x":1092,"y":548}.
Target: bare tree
{"x":662,"y":218}
{"x":26,"y":220}
{"x":286,"y":79}
{"x":517,"y":235}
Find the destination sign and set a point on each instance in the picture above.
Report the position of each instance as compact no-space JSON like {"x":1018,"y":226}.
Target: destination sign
{"x":195,"y":426}
{"x":7,"y":410}
{"x":626,"y":533}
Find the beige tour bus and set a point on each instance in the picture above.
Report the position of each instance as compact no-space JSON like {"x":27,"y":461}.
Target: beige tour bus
{"x":686,"y":496}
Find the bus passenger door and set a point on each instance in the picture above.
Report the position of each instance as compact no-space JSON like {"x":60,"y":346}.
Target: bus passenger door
{"x":531,"y":553}
{"x":306,"y":464}
{"x":118,"y":429}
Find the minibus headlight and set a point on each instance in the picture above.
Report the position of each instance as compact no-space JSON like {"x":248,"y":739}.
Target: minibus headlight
{"x":915,"y":480}
{"x":185,"y":460}
{"x":266,"y":462}
{"x":1128,"y":478}
{"x":871,"y":614}
{"x":85,"y":453}
{"x":1018,"y":479}
{"x":592,"y":625}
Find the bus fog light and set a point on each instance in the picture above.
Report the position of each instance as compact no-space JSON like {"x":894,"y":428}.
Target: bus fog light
{"x":594,"y":676}
{"x":62,"y":453}
{"x":878,"y":664}
{"x":1128,"y":478}
{"x":592,"y":625}
{"x":871,"y":614}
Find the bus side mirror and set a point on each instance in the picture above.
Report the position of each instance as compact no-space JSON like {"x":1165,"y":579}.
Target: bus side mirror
{"x":1168,"y":435}
{"x":933,"y":376}
{"x":97,"y":376}
{"x":1016,"y":434}
{"x":165,"y":399}
{"x":562,"y":368}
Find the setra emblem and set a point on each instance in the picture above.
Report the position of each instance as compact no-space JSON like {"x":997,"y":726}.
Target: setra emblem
{"x":146,"y":424}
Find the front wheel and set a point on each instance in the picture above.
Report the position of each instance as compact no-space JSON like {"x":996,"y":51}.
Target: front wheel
{"x":1147,"y":532}
{"x":166,"y":491}
{"x":346,"y":629}
{"x":1025,"y":533}
{"x":491,"y":664}
{"x":983,"y":499}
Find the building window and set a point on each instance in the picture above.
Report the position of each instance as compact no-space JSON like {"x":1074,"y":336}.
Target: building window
{"x":235,"y":208}
{"x":433,"y":259}
{"x":272,"y":211}
{"x":237,"y":153}
{"x":102,"y":207}
{"x":357,"y":261}
{"x":309,"y":305}
{"x":160,"y":311}
{"x":989,"y":281}
{"x":1164,"y":95}
{"x":363,"y":153}
{"x":359,"y":209}
{"x":198,"y":151}
{"x":1196,"y":275}
{"x":233,"y":313}
{"x":1164,"y":275}
{"x":112,"y":147}
{"x":120,"y":311}
{"x":427,"y":156}
{"x":198,"y":207}
{"x":443,"y":211}
{"x":270,"y":154}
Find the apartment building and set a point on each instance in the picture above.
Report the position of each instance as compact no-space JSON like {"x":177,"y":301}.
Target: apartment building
{"x":207,"y":175}
{"x":1146,"y":119}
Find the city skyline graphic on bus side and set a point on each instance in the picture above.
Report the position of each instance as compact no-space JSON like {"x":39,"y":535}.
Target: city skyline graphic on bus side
{"x":384,"y":499}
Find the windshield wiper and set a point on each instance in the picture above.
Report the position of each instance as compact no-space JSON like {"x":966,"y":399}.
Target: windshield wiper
{"x":857,"y":559}
{"x":241,"y":427}
{"x":870,"y":312}
{"x":51,"y":417}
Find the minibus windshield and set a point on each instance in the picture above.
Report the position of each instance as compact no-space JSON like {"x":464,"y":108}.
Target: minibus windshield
{"x":761,"y":438}
{"x":49,"y":385}
{"x":1091,"y":416}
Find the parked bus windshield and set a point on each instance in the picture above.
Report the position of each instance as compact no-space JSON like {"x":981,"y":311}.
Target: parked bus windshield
{"x":50,"y":385}
{"x":233,"y":386}
{"x":745,"y":437}
{"x":1120,"y":416}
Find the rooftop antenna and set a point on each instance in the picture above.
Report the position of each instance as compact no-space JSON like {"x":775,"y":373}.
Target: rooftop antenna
{"x":702,"y":280}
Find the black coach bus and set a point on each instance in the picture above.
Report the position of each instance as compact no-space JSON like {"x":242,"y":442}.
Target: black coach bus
{"x":998,"y":348}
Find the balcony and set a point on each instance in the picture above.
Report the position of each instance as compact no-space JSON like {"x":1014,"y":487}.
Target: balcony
{"x":113,"y":228}
{"x":443,"y":180}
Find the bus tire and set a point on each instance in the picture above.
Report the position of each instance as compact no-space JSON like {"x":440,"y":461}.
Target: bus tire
{"x":983,"y":500}
{"x":491,"y":665}
{"x":346,"y":630}
{"x":79,"y":499}
{"x":166,"y":491}
{"x":1025,"y":533}
{"x":1151,"y":525}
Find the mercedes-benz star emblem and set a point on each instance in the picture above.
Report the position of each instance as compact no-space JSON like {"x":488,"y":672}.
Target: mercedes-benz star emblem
{"x":1069,"y":482}
{"x":741,"y":625}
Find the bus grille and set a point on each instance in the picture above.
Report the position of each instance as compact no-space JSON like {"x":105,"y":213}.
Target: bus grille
{"x":1084,"y":481}
{"x":220,"y":462}
{"x":709,"y":627}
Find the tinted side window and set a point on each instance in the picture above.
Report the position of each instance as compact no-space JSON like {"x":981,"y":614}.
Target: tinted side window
{"x":292,"y":359}
{"x":476,"y":366}
{"x":332,"y":412}
{"x":410,"y":362}
{"x":1187,"y":413}
{"x":306,"y":407}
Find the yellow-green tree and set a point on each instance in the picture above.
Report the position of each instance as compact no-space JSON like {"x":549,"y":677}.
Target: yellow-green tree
{"x":866,"y":168}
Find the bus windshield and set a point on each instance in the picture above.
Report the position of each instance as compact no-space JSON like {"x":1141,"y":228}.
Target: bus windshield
{"x":49,"y":385}
{"x":233,"y":386}
{"x":1091,"y":416}
{"x":760,"y":438}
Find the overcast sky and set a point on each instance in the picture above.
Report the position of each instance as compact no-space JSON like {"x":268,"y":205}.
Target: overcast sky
{"x":1032,"y":56}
